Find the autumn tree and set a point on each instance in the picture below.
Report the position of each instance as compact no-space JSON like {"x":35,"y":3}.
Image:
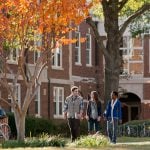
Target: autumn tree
{"x":111,"y":11}
{"x":23,"y":23}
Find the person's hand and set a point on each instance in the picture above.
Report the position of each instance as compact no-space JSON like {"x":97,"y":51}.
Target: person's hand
{"x":87,"y":117}
{"x":120,"y":121}
{"x":65,"y":115}
{"x":99,"y":118}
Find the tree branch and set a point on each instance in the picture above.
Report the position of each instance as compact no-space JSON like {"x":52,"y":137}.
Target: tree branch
{"x":122,"y":3}
{"x":4,"y":100}
{"x":97,"y":35}
{"x":144,"y":8}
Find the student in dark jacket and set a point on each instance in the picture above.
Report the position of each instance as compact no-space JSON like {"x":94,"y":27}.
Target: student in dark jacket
{"x":94,"y":113}
{"x":113,"y":115}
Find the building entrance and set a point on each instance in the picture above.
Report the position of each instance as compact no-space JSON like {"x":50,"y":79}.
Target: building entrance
{"x":131,"y":105}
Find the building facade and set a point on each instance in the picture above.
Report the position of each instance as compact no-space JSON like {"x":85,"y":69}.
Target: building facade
{"x":77,"y":64}
{"x":81,"y":64}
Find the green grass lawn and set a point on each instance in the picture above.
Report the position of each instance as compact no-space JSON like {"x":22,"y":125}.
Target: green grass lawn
{"x":132,"y":139}
{"x":124,"y":143}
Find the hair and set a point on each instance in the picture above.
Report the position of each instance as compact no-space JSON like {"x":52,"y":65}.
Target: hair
{"x":80,"y":93}
{"x":74,"y":88}
{"x":95,"y":96}
{"x":88,"y":96}
{"x":115,"y":93}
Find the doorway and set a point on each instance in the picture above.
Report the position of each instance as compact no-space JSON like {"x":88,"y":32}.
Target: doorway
{"x":131,"y":105}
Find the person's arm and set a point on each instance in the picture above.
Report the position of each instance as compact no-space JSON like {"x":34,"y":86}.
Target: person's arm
{"x":99,"y":111}
{"x":106,"y":112}
{"x":88,"y":110}
{"x":81,"y":108}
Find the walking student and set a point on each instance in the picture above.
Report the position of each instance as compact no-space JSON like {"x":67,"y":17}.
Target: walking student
{"x":94,"y":113}
{"x":113,"y":115}
{"x":73,"y":111}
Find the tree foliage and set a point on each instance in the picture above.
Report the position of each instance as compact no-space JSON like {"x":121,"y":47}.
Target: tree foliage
{"x":138,"y":25}
{"x":23,"y":24}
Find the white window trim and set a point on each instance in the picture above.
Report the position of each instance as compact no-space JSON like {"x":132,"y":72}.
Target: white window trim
{"x":90,"y":51}
{"x":55,"y":66}
{"x":57,"y":115}
{"x":79,"y":50}
{"x":19,"y":95}
{"x":39,"y":103}
{"x":11,"y":60}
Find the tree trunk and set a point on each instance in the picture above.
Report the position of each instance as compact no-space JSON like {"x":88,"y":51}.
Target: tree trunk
{"x":20,"y":125}
{"x":112,"y":57}
{"x":111,"y":79}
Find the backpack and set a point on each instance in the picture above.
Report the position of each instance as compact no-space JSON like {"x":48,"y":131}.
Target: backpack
{"x":2,"y":114}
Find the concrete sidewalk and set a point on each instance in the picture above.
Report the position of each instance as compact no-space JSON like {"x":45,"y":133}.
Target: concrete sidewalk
{"x":134,"y":143}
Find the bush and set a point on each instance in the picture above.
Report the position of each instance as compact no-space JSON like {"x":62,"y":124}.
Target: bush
{"x":37,"y":126}
{"x":92,"y":141}
{"x":36,"y":142}
{"x":33,"y":126}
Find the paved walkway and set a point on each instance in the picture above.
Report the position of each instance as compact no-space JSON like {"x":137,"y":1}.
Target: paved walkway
{"x":135,"y":143}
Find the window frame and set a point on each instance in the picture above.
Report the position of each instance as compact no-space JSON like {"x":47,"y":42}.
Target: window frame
{"x":78,"y":48}
{"x":89,"y":50}
{"x":38,"y":100}
{"x":19,"y":94}
{"x":55,"y":60}
{"x":57,"y":101}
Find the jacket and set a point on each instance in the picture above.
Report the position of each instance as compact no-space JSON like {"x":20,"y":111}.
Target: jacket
{"x":73,"y":106}
{"x":116,"y":113}
{"x":98,"y":109}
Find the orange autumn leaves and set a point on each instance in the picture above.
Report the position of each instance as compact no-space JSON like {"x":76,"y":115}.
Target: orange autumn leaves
{"x":20,"y":19}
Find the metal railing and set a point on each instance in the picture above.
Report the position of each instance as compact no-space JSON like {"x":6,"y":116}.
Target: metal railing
{"x":140,"y":130}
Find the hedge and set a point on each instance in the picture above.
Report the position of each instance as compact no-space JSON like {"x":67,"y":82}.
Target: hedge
{"x":37,"y":126}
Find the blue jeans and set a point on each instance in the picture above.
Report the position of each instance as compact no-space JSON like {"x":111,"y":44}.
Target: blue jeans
{"x":93,"y":125}
{"x":112,"y":130}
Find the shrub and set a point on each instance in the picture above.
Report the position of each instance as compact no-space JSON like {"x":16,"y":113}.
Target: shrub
{"x":33,"y":127}
{"x":37,"y":126}
{"x":92,"y":141}
{"x":36,"y":142}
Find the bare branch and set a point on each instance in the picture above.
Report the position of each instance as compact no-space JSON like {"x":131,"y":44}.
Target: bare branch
{"x":35,"y":91}
{"x":97,"y":36}
{"x":20,"y":67}
{"x":41,"y":69}
{"x":122,"y":3}
{"x":4,"y":100}
{"x":28,"y":70}
{"x":144,"y":8}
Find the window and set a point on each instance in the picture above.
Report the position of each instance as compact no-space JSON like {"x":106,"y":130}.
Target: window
{"x":58,"y":99}
{"x":88,"y":50}
{"x":37,"y":102}
{"x":126,"y":50}
{"x":77,"y":48}
{"x":57,"y":58}
{"x":14,"y":53}
{"x":16,"y":90}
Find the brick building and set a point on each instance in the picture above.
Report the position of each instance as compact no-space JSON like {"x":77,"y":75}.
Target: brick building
{"x":75,"y":64}
{"x":135,"y":77}
{"x":134,"y":81}
{"x":81,"y":64}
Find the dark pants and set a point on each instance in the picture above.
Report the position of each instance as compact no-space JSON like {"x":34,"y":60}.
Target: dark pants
{"x":112,"y":130}
{"x":74,"y":125}
{"x":91,"y":124}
